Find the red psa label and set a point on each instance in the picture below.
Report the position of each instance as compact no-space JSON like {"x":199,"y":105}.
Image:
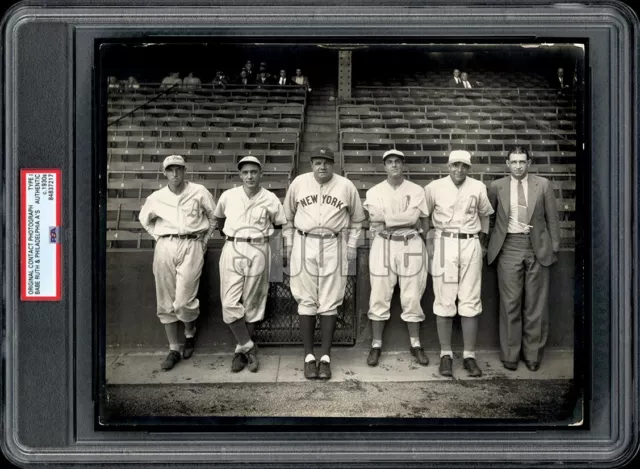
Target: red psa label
{"x":40,"y":248}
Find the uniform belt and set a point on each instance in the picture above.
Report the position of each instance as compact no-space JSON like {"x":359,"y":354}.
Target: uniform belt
{"x":451,"y":234}
{"x":262,"y":239}
{"x":318,"y":235}
{"x":393,"y":237}
{"x":182,"y":236}
{"x":518,"y":234}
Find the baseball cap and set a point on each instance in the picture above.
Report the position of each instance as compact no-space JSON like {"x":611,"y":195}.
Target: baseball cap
{"x":322,"y":152}
{"x":173,"y":160}
{"x":461,"y":156}
{"x":392,"y":152}
{"x":249,"y":159}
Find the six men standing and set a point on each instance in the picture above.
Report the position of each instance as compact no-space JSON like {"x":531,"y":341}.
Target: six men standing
{"x":322,"y":216}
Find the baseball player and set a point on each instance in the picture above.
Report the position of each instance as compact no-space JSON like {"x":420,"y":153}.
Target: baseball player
{"x":250,"y":211}
{"x":459,"y":209}
{"x":322,"y":211}
{"x":397,"y":253}
{"x":180,"y":218}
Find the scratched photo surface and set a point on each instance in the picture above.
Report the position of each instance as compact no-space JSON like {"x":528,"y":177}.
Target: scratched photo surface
{"x":342,"y":231}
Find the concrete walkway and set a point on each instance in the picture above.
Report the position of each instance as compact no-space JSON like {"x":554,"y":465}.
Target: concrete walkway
{"x":284,"y":365}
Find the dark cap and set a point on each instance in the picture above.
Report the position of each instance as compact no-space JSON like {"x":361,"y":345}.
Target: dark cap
{"x":323,"y":152}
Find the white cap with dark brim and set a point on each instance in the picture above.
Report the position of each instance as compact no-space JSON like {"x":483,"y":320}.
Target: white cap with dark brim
{"x":460,"y":156}
{"x":249,"y":159}
{"x":173,"y":160}
{"x":392,"y":152}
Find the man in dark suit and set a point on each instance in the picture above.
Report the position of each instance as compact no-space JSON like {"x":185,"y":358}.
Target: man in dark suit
{"x":525,"y":239}
{"x":264,"y":79}
{"x":456,"y":81}
{"x":559,"y":82}
{"x":244,"y":78}
{"x":283,"y":79}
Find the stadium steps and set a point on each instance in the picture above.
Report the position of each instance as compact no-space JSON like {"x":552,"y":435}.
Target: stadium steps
{"x":321,"y":126}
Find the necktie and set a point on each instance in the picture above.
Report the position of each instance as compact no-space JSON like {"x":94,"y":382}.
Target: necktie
{"x":282,"y":81}
{"x":467,"y":85}
{"x":522,"y":206}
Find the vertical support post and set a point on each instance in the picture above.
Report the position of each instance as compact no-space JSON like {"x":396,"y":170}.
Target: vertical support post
{"x":344,"y":74}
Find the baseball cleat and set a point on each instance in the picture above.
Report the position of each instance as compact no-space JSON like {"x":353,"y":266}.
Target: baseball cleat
{"x":420,"y":355}
{"x":374,"y":356}
{"x":472,"y":367}
{"x":252,"y":359}
{"x":310,"y":370}
{"x":324,"y":370}
{"x":238,"y":363}
{"x":171,"y":360}
{"x":513,"y":366}
{"x":532,"y":366}
{"x":189,"y":346}
{"x":446,"y":366}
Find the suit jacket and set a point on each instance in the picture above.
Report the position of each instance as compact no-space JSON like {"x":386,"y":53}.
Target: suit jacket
{"x":267,"y":81}
{"x":453,"y":84}
{"x":287,"y":81}
{"x":555,"y":82}
{"x":543,"y":217}
{"x":249,"y":80}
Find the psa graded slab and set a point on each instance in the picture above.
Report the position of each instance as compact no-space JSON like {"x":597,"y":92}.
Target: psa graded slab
{"x":277,"y":235}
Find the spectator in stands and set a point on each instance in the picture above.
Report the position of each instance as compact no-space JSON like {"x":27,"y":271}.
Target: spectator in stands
{"x":190,"y":82}
{"x":113,"y":84}
{"x":301,"y":80}
{"x":263,"y":68}
{"x":250,"y":71}
{"x":559,"y":82}
{"x":132,"y":84}
{"x":283,"y":79}
{"x":172,"y":80}
{"x":244,"y":78}
{"x":220,"y":80}
{"x":456,"y":81}
{"x":264,"y":78}
{"x":465,"y":81}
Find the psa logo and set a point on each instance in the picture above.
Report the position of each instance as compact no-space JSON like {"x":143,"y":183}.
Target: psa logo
{"x":54,"y":234}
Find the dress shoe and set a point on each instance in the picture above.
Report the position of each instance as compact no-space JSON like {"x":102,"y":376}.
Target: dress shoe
{"x":472,"y":367}
{"x":171,"y":360}
{"x":238,"y":363}
{"x":420,"y":355}
{"x":324,"y":370}
{"x":252,"y":359}
{"x":310,"y":370}
{"x":532,"y":366}
{"x":189,"y":346}
{"x":446,"y":366}
{"x":374,"y":356}
{"x":513,"y":366}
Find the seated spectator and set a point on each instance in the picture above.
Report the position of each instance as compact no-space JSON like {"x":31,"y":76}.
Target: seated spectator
{"x":283,"y":80}
{"x":264,"y":78}
{"x":465,"y":81}
{"x":559,"y":82}
{"x":456,"y":81}
{"x":301,"y":80}
{"x":244,"y":78}
{"x":250,"y":71}
{"x":113,"y":84}
{"x":172,"y":80}
{"x":132,"y":84}
{"x":220,"y":80}
{"x":190,"y":82}
{"x":263,"y":68}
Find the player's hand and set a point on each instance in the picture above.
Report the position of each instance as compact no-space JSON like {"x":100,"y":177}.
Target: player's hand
{"x":205,"y":244}
{"x":483,"y":243}
{"x":352,"y":253}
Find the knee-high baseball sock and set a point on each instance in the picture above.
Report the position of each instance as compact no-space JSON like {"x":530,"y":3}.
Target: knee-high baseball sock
{"x":445,"y":328}
{"x":172,"y":336}
{"x":251,"y":326}
{"x":469,"y":334}
{"x":327,"y":327}
{"x":377,"y":327}
{"x":239,"y":330}
{"x":414,"y":333}
{"x":189,"y":329}
{"x":307,"y":328}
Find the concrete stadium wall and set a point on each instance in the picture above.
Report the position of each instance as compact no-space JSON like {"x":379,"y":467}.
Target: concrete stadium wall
{"x":131,"y":319}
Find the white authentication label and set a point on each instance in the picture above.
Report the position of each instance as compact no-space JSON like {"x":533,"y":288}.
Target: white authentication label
{"x":40,"y":235}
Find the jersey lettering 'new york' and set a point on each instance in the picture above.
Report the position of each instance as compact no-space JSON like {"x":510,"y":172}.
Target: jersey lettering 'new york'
{"x":456,"y":208}
{"x":333,"y":205}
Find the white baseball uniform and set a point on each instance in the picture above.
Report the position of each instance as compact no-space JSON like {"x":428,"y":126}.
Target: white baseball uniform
{"x":456,"y":267}
{"x":178,"y":261}
{"x":395,"y":212}
{"x":244,"y":266}
{"x":318,"y":266}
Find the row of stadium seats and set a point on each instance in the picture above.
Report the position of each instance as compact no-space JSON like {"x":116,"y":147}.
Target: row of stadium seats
{"x":229,"y":155}
{"x":446,"y":128}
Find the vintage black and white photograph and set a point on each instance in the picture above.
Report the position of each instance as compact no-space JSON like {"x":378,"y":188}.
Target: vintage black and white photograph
{"x":342,"y":230}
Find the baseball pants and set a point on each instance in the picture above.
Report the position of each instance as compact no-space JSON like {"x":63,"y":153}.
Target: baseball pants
{"x":177,"y":266}
{"x":456,"y":270}
{"x":392,"y":262}
{"x":244,"y":280}
{"x":317,"y":274}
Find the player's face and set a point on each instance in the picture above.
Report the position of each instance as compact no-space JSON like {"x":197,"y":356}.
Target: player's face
{"x":393,"y":165}
{"x":518,"y":165}
{"x":175,"y":175}
{"x":250,"y":175}
{"x":458,"y":172}
{"x":322,"y":169}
